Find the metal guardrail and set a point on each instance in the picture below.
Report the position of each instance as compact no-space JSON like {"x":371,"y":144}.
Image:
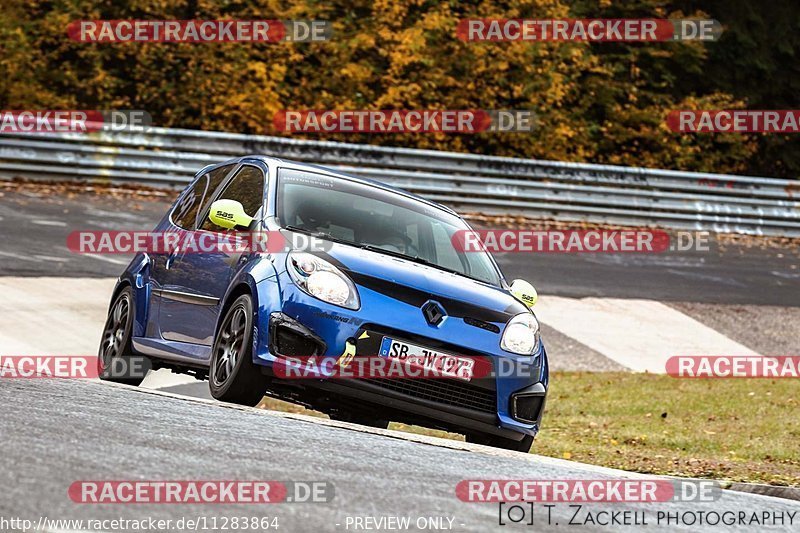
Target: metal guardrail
{"x":466,"y":182}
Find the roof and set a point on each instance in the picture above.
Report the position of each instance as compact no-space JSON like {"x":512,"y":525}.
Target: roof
{"x":335,"y":173}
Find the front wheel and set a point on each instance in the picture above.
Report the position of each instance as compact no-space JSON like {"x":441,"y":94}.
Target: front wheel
{"x":523,"y":445}
{"x":233,"y":377}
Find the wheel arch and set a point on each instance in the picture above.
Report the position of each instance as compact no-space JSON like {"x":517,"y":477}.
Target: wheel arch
{"x":118,"y":288}
{"x":139,"y":303}
{"x":244,"y":285}
{"x":234,"y":292}
{"x":136,"y":276}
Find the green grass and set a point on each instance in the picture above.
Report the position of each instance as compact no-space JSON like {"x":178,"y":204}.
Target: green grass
{"x":734,"y":429}
{"x":737,"y":430}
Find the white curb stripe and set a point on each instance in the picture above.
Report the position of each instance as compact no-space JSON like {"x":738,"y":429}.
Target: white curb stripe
{"x":638,"y":334}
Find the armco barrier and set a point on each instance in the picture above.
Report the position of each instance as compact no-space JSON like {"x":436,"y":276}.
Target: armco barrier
{"x":467,"y":182}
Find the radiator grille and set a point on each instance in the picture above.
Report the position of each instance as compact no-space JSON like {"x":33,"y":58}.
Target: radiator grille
{"x":445,"y":391}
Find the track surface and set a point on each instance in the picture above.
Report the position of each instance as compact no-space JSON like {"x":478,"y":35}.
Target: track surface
{"x":56,"y":432}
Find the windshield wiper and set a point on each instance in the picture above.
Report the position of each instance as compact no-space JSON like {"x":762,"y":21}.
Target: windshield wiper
{"x":414,"y":258}
{"x":318,"y":234}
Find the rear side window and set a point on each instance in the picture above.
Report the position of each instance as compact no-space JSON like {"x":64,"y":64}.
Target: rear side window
{"x":247,"y":188}
{"x":195,"y":200}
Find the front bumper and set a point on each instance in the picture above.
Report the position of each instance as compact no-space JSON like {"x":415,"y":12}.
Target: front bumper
{"x":509,"y":403}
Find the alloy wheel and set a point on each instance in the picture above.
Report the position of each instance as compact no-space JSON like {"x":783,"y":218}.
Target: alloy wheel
{"x":231,"y":344}
{"x":115,"y":330}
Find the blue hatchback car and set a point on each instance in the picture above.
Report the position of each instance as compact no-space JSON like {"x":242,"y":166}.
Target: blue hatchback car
{"x":389,"y":279}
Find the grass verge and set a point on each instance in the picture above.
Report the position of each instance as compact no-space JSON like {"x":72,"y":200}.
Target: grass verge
{"x":738,"y":430}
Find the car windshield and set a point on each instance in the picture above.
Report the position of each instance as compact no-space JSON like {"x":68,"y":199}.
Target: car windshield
{"x":381,"y":220}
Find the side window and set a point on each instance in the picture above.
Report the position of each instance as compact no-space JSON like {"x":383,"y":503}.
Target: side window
{"x":247,"y":188}
{"x":195,"y":200}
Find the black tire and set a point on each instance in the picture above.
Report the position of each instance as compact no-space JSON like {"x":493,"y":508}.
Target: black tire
{"x":359,"y":418}
{"x":494,"y":441}
{"x":233,"y":377}
{"x":116,"y":361}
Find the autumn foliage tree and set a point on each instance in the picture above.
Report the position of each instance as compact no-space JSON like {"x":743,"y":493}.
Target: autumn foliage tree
{"x":600,"y":102}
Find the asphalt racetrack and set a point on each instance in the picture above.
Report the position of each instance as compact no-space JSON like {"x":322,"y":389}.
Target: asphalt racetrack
{"x":61,"y":431}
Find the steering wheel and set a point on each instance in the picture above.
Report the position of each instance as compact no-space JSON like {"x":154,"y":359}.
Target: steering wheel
{"x":411,"y":249}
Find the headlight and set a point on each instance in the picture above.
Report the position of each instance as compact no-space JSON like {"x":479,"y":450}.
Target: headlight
{"x":521,"y":335}
{"x":322,"y":280}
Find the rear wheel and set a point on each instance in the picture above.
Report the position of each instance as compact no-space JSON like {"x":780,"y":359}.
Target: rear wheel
{"x":494,"y":441}
{"x":115,"y":360}
{"x":233,"y":377}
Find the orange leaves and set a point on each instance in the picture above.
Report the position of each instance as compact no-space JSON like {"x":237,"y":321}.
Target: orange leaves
{"x":594,"y":103}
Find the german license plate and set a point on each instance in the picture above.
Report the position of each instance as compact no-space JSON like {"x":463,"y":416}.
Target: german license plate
{"x":437,"y":363}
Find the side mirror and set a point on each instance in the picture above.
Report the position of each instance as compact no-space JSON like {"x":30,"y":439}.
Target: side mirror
{"x":524,"y":291}
{"x":228,"y":214}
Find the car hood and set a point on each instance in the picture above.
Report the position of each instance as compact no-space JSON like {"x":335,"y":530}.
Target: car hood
{"x":415,"y":284}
